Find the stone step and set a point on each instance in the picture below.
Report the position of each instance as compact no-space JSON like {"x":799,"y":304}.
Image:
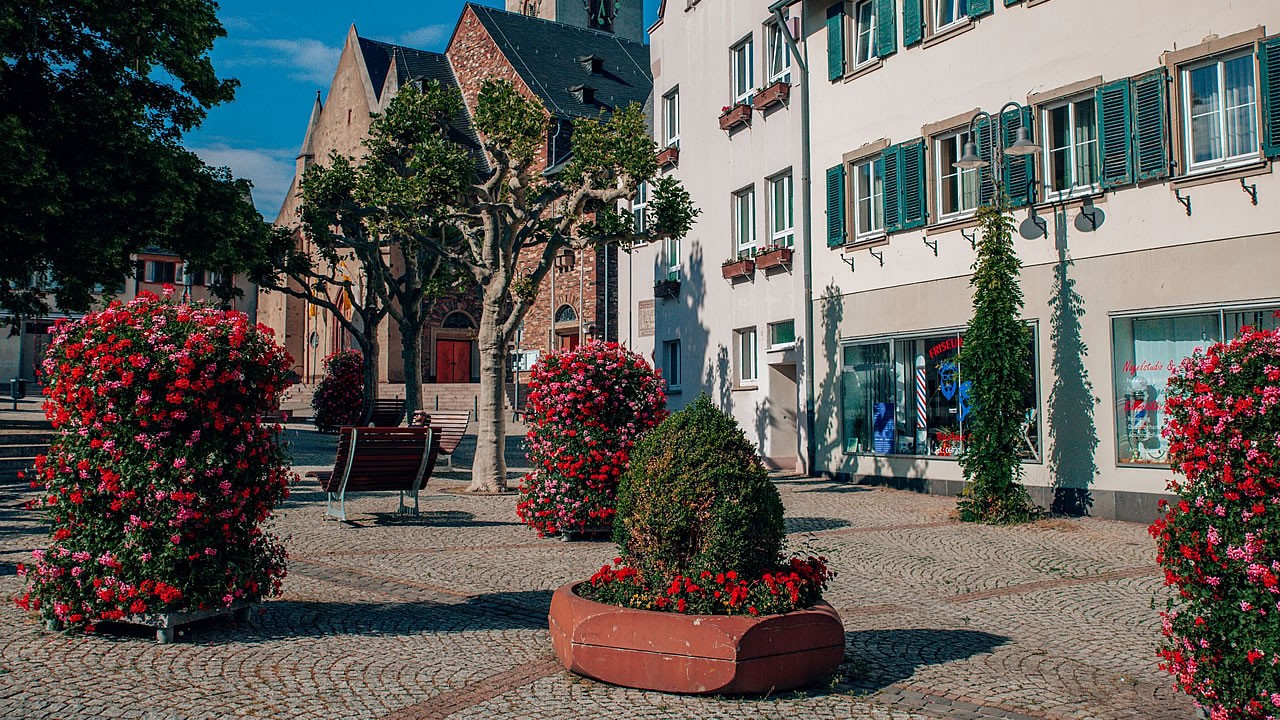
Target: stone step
{"x":10,"y":467}
{"x":25,"y":438}
{"x":22,"y":451}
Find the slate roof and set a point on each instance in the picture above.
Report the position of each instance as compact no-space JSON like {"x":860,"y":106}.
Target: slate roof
{"x":413,"y":65}
{"x":548,"y":56}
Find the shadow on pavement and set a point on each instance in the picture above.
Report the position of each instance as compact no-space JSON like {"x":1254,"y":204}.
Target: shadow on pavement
{"x":813,"y":524}
{"x":876,"y":659}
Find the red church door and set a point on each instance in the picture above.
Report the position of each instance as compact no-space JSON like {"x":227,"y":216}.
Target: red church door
{"x":453,"y":361}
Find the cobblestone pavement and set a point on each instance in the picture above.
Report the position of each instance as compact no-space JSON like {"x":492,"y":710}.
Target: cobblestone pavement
{"x":444,"y":615}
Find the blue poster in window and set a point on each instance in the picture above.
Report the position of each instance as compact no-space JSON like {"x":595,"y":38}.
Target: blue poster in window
{"x":883,"y":428}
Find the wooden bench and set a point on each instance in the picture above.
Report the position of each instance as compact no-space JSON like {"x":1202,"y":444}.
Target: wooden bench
{"x":387,"y":413}
{"x":379,"y":460}
{"x":449,"y":427}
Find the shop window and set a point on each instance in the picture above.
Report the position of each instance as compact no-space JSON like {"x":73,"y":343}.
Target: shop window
{"x":909,"y":396}
{"x":1146,"y":351}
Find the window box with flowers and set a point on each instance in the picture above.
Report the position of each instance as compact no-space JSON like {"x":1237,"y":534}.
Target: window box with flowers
{"x":773,"y":256}
{"x":669,"y":156}
{"x":776,"y":93}
{"x":738,"y":268}
{"x":735,"y":115}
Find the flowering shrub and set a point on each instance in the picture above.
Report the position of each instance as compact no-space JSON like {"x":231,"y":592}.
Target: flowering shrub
{"x":587,"y":408}
{"x":699,"y":526}
{"x":1219,"y":544}
{"x":339,"y":398}
{"x":161,"y":474}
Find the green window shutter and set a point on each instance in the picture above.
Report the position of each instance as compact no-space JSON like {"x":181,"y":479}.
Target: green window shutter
{"x":1010,"y":3}
{"x":911,"y":184}
{"x":912,"y":22}
{"x":886,"y":28}
{"x":835,"y":206}
{"x":1150,"y":150}
{"x":892,"y":188}
{"x":1269,"y":87}
{"x":835,"y":41}
{"x":985,"y":140}
{"x":1019,"y":172}
{"x":978,"y":8}
{"x":1114,"y":139}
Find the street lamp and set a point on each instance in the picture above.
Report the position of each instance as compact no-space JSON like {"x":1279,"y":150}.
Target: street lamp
{"x":1022,"y":144}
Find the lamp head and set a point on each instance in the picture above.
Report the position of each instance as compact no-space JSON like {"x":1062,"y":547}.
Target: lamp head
{"x":1022,"y":145}
{"x":969,"y":160}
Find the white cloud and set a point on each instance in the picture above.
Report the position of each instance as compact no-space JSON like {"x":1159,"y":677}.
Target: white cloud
{"x":232,"y":22}
{"x":426,"y":37}
{"x":269,"y":169}
{"x":310,"y":60}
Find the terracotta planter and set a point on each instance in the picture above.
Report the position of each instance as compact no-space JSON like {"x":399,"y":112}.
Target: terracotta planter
{"x":669,"y":156}
{"x":735,"y":116}
{"x":666,"y":288}
{"x":778,"y":257}
{"x":739,"y":269}
{"x":775,"y":94}
{"x":700,"y":654}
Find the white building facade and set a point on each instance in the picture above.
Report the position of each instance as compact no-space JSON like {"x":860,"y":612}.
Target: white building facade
{"x":1148,"y":222}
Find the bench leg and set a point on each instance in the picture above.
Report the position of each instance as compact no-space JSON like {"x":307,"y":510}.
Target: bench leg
{"x":448,"y":462}
{"x":404,"y":510}
{"x":342,"y":507}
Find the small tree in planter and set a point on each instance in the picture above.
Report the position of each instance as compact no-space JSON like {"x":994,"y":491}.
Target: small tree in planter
{"x":161,"y":476}
{"x":587,"y":408}
{"x":339,"y":398}
{"x":1220,"y":544}
{"x":701,"y":598}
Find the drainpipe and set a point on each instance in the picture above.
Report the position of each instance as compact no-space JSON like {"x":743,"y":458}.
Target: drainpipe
{"x":806,"y":224}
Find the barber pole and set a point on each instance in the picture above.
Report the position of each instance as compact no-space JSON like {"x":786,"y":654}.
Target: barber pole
{"x":922,"y":421}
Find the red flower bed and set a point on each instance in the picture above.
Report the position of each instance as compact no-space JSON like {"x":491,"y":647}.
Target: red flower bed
{"x":339,"y":398}
{"x":1219,"y":544}
{"x":587,"y":408}
{"x":161,"y":476}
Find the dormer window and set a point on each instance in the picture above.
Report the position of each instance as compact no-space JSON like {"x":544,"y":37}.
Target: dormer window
{"x":584,"y":94}
{"x":593,"y":64}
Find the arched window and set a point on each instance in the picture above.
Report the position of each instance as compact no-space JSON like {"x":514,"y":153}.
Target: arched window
{"x":458,"y":320}
{"x":566,"y":314}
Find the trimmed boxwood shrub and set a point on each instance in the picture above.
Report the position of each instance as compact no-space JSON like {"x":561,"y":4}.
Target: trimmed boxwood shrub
{"x":339,"y":397}
{"x":700,"y":526}
{"x":1219,"y":544}
{"x":587,"y":407}
{"x":161,"y":476}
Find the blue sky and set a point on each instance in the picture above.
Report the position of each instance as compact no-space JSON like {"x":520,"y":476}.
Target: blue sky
{"x":282,"y":51}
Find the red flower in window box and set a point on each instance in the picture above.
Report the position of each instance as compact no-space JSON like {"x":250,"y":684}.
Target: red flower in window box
{"x":774,"y":94}
{"x":735,"y":268}
{"x":773,"y":256}
{"x":732,"y":116}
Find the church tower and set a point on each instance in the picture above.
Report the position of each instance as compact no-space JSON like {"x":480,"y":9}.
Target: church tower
{"x":624,"y":18}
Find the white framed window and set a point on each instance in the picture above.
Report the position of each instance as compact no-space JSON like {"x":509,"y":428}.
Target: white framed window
{"x":671,"y":117}
{"x":949,"y":12}
{"x":957,"y":187}
{"x":744,"y":221}
{"x":1071,"y":146}
{"x":782,"y":219}
{"x":159,"y":271}
{"x":639,"y":208}
{"x":1220,"y":111}
{"x":782,"y":335}
{"x":748,"y":372}
{"x":744,"y":84}
{"x":864,"y":32}
{"x":778,"y":62}
{"x":671,"y":364}
{"x":673,"y":258}
{"x":868,"y":198}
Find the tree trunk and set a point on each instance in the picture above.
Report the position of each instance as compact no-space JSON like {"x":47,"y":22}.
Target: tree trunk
{"x":411,"y":352}
{"x":489,"y":470}
{"x":371,"y":358}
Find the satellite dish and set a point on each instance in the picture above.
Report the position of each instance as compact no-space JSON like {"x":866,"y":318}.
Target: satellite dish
{"x":1090,"y":218}
{"x":1034,"y":228}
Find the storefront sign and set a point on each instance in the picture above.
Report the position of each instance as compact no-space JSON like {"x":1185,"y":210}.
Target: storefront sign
{"x":646,"y":318}
{"x":883,"y":428}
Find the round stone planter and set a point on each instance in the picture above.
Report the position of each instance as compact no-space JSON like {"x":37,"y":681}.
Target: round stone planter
{"x":697,"y":654}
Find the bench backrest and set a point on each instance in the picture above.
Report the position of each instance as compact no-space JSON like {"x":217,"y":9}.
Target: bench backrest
{"x":382,"y":459}
{"x":387,"y":413}
{"x":448,"y":426}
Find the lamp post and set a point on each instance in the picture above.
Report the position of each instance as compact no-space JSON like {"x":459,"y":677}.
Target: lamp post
{"x":1022,"y":145}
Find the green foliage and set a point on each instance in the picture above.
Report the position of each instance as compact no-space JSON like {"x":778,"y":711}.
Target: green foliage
{"x":94,"y":98}
{"x":513,"y":123}
{"x":994,"y":358}
{"x":619,"y":145}
{"x":338,"y":399}
{"x":696,"y":498}
{"x":671,"y":209}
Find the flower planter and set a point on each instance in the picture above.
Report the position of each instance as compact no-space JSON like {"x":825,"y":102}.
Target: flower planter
{"x":167,"y":624}
{"x":666,"y":288}
{"x":669,"y":156}
{"x":777,"y":257}
{"x":739,"y":269}
{"x":775,"y":94}
{"x":735,"y":116}
{"x":699,"y":654}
